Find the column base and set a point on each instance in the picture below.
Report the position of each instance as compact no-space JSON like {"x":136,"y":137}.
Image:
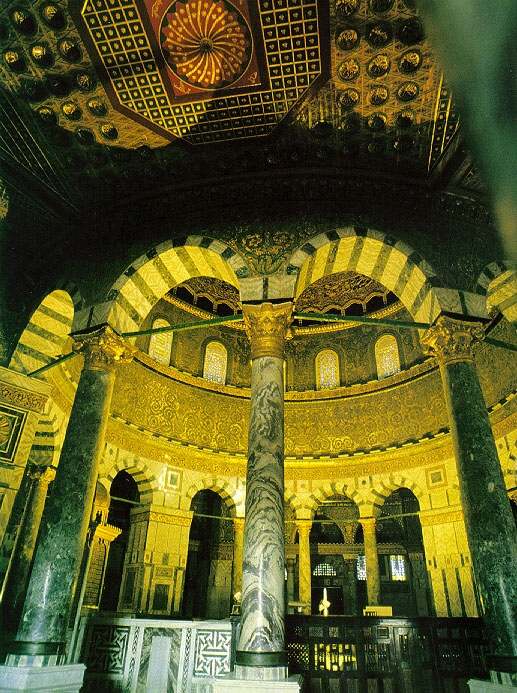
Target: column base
{"x":248,"y":673}
{"x":233,"y":683}
{"x":67,"y":678}
{"x":477,"y":686}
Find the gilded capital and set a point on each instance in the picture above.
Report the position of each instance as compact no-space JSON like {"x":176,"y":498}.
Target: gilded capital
{"x":452,"y":341}
{"x":368,"y":523}
{"x":102,"y":348}
{"x":304,"y":527}
{"x":42,"y":473}
{"x":267,"y":326}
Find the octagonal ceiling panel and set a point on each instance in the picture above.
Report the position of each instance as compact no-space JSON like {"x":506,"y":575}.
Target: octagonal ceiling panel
{"x":207,"y":70}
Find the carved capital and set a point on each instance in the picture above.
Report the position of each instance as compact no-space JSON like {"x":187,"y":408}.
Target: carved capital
{"x":452,"y":341}
{"x":368,"y":523}
{"x":42,"y":473}
{"x":267,"y":326}
{"x":103,"y":348}
{"x":238,"y":524}
{"x":304,"y":528}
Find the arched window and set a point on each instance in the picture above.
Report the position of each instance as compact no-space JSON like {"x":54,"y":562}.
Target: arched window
{"x":214,"y":368}
{"x":327,"y":369}
{"x":161,"y":342}
{"x":387,"y":356}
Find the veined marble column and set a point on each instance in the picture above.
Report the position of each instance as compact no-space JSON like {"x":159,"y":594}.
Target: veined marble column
{"x":304,"y":564}
{"x":491,"y":532}
{"x":23,"y":550}
{"x":41,"y":635}
{"x":260,"y":652}
{"x":238,"y":551}
{"x":373,"y":579}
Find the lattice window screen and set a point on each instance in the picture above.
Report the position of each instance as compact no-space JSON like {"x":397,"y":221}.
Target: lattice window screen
{"x":216,"y":358}
{"x":387,"y":356}
{"x":327,"y":369}
{"x":160,"y":344}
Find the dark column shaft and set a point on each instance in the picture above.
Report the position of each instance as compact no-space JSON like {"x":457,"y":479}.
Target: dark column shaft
{"x":490,"y":525}
{"x":23,"y":550}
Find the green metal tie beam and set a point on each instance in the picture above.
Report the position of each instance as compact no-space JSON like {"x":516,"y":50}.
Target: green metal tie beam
{"x":185,"y":326}
{"x":53,"y":363}
{"x":385,"y":322}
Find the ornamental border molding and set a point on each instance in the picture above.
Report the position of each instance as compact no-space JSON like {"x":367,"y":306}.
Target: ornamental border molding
{"x":22,"y":398}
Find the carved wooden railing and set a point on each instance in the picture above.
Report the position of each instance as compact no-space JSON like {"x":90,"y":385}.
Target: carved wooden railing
{"x":385,"y":655}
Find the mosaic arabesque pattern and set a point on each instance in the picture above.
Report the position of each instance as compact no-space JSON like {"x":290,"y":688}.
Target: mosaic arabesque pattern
{"x":11,"y":426}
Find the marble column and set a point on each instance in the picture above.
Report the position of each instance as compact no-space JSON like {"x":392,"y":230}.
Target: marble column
{"x":41,"y":636}
{"x":350,"y":586}
{"x":304,"y":564}
{"x":238,"y":550}
{"x":373,"y":580}
{"x":261,"y":652}
{"x":18,"y":571}
{"x":491,"y":532}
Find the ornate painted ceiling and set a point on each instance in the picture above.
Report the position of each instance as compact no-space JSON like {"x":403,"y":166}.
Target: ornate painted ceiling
{"x":111,"y":89}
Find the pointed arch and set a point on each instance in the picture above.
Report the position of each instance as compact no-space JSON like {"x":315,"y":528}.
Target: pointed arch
{"x":45,"y":337}
{"x":153,"y":274}
{"x":328,"y":491}
{"x":385,"y":487}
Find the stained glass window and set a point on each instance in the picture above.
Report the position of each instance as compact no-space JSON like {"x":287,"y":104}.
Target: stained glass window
{"x":327,"y":369}
{"x":214,"y":368}
{"x":324,"y":569}
{"x":160,"y":343}
{"x":398,"y":567}
{"x":387,"y":356}
{"x":360,"y":567}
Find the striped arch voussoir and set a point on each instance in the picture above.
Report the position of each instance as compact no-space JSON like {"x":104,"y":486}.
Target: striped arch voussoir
{"x":386,"y":487}
{"x":498,"y":282}
{"x":374,"y":254}
{"x":328,"y":491}
{"x":145,"y":480}
{"x":47,"y":439}
{"x":223,"y":489}
{"x":46,"y":334}
{"x":162,"y":268}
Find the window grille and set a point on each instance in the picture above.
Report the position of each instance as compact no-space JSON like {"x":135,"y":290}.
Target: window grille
{"x":216,"y":358}
{"x":327,"y":369}
{"x":325,"y":570}
{"x":160,"y":343}
{"x":361,"y":567}
{"x":398,"y":568}
{"x":387,"y":356}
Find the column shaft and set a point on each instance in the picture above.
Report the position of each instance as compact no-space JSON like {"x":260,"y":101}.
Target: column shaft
{"x":373,"y":580}
{"x":64,"y":525}
{"x":304,"y":565}
{"x":261,"y":642}
{"x":489,"y":522}
{"x":262,"y":621}
{"x":23,"y":550}
{"x":238,"y":551}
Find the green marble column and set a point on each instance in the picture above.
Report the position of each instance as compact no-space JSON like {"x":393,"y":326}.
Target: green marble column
{"x":42,"y":632}
{"x":373,"y":578}
{"x":15,"y":584}
{"x":491,"y":532}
